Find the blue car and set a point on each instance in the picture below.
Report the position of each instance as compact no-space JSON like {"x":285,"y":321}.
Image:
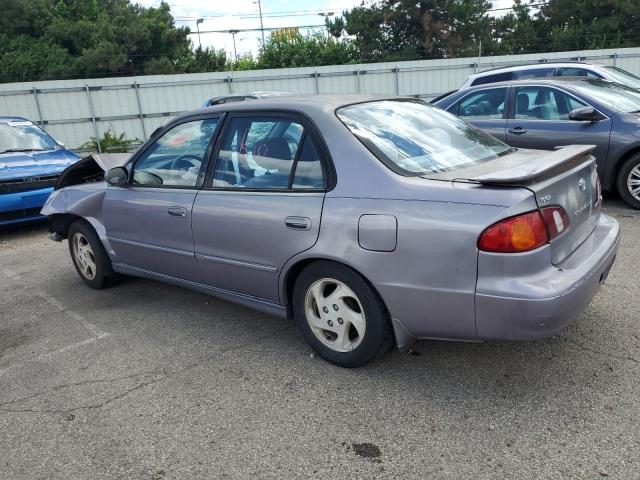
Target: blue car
{"x":30,"y":164}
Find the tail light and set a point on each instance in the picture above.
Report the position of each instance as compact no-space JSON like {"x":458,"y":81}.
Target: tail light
{"x":516,"y":234}
{"x":598,"y":198}
{"x":524,"y":232}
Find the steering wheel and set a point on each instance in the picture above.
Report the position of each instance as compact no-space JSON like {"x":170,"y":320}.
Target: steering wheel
{"x":185,"y":162}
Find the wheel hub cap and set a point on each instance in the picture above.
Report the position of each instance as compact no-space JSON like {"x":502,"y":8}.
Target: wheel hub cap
{"x":335,"y":315}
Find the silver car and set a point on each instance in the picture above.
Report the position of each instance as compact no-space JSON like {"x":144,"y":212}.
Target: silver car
{"x":372,"y":221}
{"x":553,"y":69}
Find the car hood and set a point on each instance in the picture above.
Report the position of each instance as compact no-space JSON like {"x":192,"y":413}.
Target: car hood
{"x":32,"y":164}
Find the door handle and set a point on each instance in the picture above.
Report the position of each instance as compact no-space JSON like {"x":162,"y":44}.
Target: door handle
{"x":177,"y":211}
{"x":518,"y":130}
{"x":298,"y":223}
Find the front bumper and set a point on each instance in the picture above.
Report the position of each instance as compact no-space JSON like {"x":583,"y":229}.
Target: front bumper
{"x":23,"y":206}
{"x":516,"y":299}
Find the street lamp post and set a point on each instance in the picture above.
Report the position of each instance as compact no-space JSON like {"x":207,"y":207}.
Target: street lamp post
{"x":198,"y":22}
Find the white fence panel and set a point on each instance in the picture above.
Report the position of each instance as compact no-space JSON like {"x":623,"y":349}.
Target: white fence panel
{"x":75,"y":110}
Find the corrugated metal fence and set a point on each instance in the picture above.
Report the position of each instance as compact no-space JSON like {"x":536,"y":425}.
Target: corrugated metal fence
{"x":74,"y":110}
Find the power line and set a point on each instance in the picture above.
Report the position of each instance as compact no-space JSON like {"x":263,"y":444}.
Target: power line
{"x":306,"y":13}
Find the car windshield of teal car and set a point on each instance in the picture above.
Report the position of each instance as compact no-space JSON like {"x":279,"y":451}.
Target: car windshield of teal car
{"x":413,"y":138}
{"x":24,"y":136}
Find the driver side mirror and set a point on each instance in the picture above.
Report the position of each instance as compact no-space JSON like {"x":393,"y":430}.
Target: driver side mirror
{"x":117,"y":176}
{"x":585,"y":114}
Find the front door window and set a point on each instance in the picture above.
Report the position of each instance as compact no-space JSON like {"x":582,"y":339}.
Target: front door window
{"x":175,"y":159}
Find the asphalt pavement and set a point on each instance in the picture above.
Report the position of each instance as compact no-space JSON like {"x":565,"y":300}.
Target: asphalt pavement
{"x":151,"y":381}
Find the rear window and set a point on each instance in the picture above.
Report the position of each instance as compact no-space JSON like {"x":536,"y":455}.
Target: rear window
{"x":414,"y":138}
{"x":495,"y":78}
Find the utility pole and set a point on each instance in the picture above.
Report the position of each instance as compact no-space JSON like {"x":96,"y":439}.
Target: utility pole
{"x":261,"y":24}
{"x":198,"y":22}
{"x":233,"y":35}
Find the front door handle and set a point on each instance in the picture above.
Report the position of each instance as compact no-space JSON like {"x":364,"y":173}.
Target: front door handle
{"x":518,"y":130}
{"x":177,"y":211}
{"x":298,"y":223}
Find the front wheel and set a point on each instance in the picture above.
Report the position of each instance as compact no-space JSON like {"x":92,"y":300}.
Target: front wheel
{"x":88,"y":255}
{"x":341,"y":316}
{"x":628,"y":182}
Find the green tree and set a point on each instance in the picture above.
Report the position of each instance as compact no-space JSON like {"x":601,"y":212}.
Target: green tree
{"x":305,"y":50}
{"x":43,"y":39}
{"x":407,"y":29}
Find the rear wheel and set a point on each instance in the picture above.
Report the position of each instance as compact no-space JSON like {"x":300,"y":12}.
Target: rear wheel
{"x":341,"y":316}
{"x":628,"y":181}
{"x":89,"y":257}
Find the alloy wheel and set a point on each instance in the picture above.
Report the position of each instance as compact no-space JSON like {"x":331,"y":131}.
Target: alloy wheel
{"x":83,"y":254}
{"x":633,"y":182}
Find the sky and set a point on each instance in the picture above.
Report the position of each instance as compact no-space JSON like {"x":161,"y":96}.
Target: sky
{"x":243,"y":14}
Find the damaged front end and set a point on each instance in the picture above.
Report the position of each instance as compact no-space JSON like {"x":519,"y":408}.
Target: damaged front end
{"x":91,"y":169}
{"x":84,"y":198}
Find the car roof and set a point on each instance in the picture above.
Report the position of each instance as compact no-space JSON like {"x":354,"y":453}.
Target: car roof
{"x":4,"y":119}
{"x":527,"y":66}
{"x":565,"y":81}
{"x":296,"y":103}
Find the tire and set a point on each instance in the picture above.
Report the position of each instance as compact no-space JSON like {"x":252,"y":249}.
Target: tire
{"x":630,"y":171}
{"x":93,"y":264}
{"x":342,"y":318}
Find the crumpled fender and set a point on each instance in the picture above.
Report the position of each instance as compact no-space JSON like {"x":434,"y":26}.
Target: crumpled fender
{"x":91,"y":168}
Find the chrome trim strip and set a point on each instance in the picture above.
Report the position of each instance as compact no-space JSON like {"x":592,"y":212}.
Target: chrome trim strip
{"x":239,"y":263}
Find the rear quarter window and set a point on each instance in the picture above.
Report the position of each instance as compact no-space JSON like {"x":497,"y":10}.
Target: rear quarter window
{"x":494,"y":78}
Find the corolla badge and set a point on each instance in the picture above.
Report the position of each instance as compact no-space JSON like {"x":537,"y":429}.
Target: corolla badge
{"x":582,"y":184}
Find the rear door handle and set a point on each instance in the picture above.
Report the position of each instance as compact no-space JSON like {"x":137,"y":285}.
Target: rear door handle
{"x":298,"y":223}
{"x":177,"y":211}
{"x":518,"y":130}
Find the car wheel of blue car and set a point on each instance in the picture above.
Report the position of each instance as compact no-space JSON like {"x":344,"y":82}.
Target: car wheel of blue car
{"x":88,"y":255}
{"x":342,"y":317}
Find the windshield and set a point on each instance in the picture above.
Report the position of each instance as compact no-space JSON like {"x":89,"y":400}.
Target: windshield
{"x":24,"y":136}
{"x":417,"y":138}
{"x":613,"y":95}
{"x":622,"y":76}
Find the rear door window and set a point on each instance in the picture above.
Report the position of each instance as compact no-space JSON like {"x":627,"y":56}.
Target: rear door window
{"x":485,"y":104}
{"x":537,"y":73}
{"x":267,"y":153}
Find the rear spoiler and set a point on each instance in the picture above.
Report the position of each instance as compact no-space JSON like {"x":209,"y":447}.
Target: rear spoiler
{"x":537,"y":167}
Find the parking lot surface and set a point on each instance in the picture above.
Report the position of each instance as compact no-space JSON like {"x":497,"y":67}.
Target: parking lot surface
{"x":151,"y":381}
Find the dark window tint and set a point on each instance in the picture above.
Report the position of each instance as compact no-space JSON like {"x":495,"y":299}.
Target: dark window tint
{"x":494,"y":78}
{"x":175,"y":158}
{"x":576,"y":72}
{"x":536,"y":73}
{"x":308,"y":172}
{"x":256,"y":153}
{"x":485,"y":104}
{"x":544,"y":103}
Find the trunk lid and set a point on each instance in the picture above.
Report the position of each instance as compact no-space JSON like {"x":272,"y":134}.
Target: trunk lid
{"x":565,"y":177}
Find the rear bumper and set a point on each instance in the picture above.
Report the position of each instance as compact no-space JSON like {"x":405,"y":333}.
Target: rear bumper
{"x":23,"y":206}
{"x":521,"y":301}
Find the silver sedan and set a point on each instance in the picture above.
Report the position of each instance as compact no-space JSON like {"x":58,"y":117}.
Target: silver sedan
{"x":372,"y":221}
